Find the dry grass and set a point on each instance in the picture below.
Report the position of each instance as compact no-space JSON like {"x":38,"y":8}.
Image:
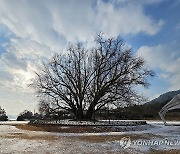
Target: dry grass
{"x":92,"y":139}
{"x":89,"y":129}
{"x":69,"y":129}
{"x":174,"y":151}
{"x":30,"y":137}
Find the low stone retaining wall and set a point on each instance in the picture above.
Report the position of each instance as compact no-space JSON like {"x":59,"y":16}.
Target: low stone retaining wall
{"x":90,"y":123}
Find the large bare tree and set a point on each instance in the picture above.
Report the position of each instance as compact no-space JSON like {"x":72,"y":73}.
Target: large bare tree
{"x":83,"y":81}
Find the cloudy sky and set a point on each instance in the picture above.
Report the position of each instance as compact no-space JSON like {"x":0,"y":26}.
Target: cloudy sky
{"x":32,"y":30}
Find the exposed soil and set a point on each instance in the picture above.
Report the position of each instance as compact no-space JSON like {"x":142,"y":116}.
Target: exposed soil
{"x":76,"y":129}
{"x":30,"y":137}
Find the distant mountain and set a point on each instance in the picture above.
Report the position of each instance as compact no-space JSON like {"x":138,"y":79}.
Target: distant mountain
{"x":163,"y":99}
{"x":150,"y":109}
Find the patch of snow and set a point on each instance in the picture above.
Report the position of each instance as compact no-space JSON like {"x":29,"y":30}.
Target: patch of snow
{"x":66,"y":144}
{"x":13,"y":122}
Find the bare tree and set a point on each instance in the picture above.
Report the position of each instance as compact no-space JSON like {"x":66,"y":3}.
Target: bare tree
{"x":84,"y":80}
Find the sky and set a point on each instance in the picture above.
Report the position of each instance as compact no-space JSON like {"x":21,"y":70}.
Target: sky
{"x":31,"y":31}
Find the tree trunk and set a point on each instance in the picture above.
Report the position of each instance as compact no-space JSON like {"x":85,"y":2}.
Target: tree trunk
{"x":89,"y":113}
{"x":79,"y":114}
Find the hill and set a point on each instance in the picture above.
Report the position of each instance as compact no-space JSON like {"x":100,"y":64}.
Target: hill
{"x":150,"y":109}
{"x":164,"y":98}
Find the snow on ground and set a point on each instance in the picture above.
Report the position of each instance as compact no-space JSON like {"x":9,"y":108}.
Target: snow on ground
{"x":162,"y":137}
{"x":56,"y":146}
{"x":152,"y":136}
{"x":13,"y":122}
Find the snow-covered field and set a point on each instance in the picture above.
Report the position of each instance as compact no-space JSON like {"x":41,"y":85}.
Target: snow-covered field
{"x":149,"y":138}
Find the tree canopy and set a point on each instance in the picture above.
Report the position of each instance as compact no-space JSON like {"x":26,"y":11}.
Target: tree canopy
{"x":83,"y":81}
{"x":3,"y":116}
{"x":25,"y":115}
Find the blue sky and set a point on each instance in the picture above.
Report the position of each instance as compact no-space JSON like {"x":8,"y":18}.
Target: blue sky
{"x":31,"y":31}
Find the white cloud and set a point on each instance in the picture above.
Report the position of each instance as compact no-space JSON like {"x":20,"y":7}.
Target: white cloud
{"x":41,"y":27}
{"x":28,"y":49}
{"x":15,"y":102}
{"x":166,"y":58}
{"x":6,"y":76}
{"x":11,"y":61}
{"x":54,"y":22}
{"x":126,"y":20}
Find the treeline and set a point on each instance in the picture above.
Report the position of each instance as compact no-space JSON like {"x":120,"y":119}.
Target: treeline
{"x":134,"y":112}
{"x":28,"y":115}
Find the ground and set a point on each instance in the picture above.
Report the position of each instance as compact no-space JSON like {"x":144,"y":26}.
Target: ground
{"x":20,"y":138}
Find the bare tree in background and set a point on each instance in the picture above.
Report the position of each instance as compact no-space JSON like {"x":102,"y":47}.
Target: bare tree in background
{"x":84,"y":80}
